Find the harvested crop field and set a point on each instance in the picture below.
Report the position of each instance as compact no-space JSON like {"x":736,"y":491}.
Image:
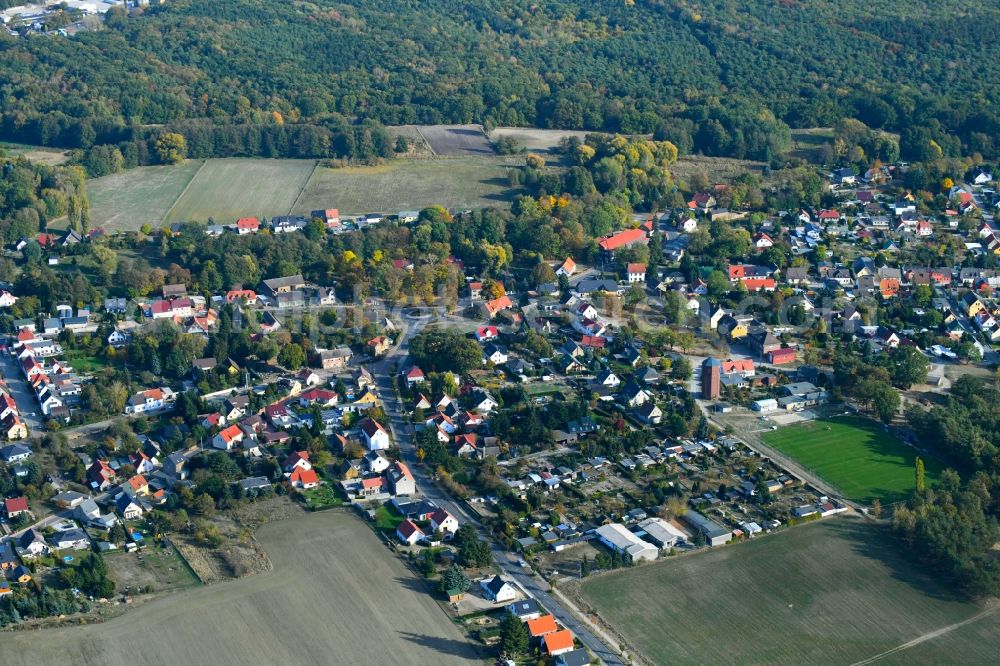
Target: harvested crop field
{"x":126,"y":201}
{"x":227,"y":189}
{"x":855,"y":455}
{"x":833,"y":592}
{"x":336,"y":595}
{"x":456,"y":140}
{"x":537,"y":140}
{"x":463,"y":182}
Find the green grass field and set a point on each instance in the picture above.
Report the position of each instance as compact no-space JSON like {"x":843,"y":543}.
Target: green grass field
{"x":126,"y":201}
{"x":465,"y":182}
{"x":855,"y":455}
{"x":227,"y":189}
{"x":831,"y":592}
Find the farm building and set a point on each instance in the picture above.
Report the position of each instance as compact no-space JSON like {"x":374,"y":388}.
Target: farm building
{"x":662,"y":533}
{"x":764,"y":405}
{"x":714,"y":533}
{"x":616,"y":537}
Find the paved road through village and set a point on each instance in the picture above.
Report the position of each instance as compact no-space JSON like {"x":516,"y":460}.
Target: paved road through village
{"x":402,"y":433}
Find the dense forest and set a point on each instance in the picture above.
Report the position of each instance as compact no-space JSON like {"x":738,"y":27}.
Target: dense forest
{"x":721,"y":77}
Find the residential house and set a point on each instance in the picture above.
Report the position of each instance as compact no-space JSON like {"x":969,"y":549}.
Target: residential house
{"x":333,"y":359}
{"x":31,"y":544}
{"x":303,"y":478}
{"x":15,"y":506}
{"x":401,"y":480}
{"x":408,"y":532}
{"x":498,"y":590}
{"x":375,"y":436}
{"x":150,"y":400}
{"x":635,"y":273}
{"x":442,"y":521}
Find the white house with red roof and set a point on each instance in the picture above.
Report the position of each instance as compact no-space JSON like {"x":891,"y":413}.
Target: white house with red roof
{"x":487,"y":333}
{"x":150,"y":400}
{"x":247,"y":225}
{"x":303,"y":478}
{"x":762,"y":241}
{"x":376,"y":438}
{"x":413,"y":375}
{"x":408,"y":532}
{"x":236,"y":295}
{"x":443,"y":521}
{"x":567,"y":268}
{"x":228,"y":438}
{"x":7,"y":299}
{"x":635,"y":273}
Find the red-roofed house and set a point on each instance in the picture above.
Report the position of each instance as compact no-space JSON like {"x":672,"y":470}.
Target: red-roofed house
{"x":100,"y":474}
{"x":636,"y":273}
{"x":139,"y":485}
{"x":15,"y":506}
{"x":759,"y":284}
{"x":622,"y":239}
{"x":408,"y":532}
{"x":413,"y":375}
{"x":743,"y":367}
{"x":247,"y":225}
{"x":465,"y":444}
{"x":443,"y":521}
{"x":372,"y":486}
{"x":486,"y":333}
{"x":567,"y":268}
{"x":829,"y":215}
{"x":542,"y":626}
{"x":236,"y":295}
{"x":303,"y":478}
{"x":762,"y":241}
{"x":492,"y":308}
{"x":558,"y":642}
{"x":228,"y":438}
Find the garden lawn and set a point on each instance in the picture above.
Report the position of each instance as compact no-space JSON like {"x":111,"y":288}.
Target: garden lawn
{"x":855,"y":455}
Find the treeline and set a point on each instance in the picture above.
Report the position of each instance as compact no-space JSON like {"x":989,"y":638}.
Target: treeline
{"x":712,"y":80}
{"x":32,"y":195}
{"x":109,"y":146}
{"x":954,"y":525}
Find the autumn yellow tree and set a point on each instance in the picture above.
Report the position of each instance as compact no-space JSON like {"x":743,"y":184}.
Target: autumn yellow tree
{"x":171,"y":148}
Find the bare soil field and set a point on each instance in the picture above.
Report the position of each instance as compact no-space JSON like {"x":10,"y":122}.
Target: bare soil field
{"x":461,"y":182}
{"x":456,"y":140}
{"x":833,"y":592}
{"x":336,"y":595}
{"x":126,"y":201}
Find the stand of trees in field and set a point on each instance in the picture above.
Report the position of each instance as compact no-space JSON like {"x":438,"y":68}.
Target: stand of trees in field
{"x":298,"y":80}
